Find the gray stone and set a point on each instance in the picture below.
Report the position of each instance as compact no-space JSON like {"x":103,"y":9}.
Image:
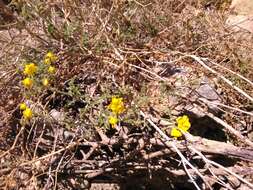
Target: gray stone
{"x":242,"y":18}
{"x":104,"y":186}
{"x":57,"y":115}
{"x":242,"y":7}
{"x":207,"y":92}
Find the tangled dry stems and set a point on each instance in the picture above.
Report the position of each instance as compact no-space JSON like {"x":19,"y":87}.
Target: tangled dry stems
{"x":122,"y":47}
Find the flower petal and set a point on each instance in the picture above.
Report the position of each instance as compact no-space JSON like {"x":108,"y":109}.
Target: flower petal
{"x":175,"y":132}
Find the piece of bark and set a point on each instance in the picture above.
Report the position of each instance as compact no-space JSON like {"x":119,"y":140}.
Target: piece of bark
{"x":222,"y":148}
{"x":211,"y":147}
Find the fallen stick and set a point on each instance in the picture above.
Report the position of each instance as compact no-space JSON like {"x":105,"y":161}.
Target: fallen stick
{"x":230,"y":129}
{"x":222,"y":148}
{"x":206,"y":146}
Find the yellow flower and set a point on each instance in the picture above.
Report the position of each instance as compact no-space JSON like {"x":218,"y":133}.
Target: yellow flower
{"x":175,"y":132}
{"x":183,"y":123}
{"x":30,"y":69}
{"x":27,"y":82}
{"x":45,"y":82}
{"x":22,"y":106}
{"x":27,"y":114}
{"x":116,"y":105}
{"x":47,"y":61}
{"x":113,"y":120}
{"x":50,"y":58}
{"x":51,"y":69}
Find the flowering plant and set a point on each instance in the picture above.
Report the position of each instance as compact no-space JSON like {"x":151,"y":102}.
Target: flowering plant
{"x":117,"y":107}
{"x":183,"y":125}
{"x":30,"y":69}
{"x":31,"y":80}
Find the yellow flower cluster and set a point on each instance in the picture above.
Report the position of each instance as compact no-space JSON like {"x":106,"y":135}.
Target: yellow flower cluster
{"x":183,"y":124}
{"x":27,"y":112}
{"x":50,"y":57}
{"x":51,"y":69}
{"x":117,"y":107}
{"x":27,"y":82}
{"x":22,"y":106}
{"x":113,"y":120}
{"x":30,"y":69}
{"x":45,"y":82}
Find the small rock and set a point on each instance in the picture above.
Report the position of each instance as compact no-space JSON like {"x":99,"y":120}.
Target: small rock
{"x":239,"y":22}
{"x":242,"y":17}
{"x":58,"y":116}
{"x":104,"y":186}
{"x":242,"y":6}
{"x":207,"y":92}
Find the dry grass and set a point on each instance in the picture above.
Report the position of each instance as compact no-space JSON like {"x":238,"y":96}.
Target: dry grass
{"x":149,"y":53}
